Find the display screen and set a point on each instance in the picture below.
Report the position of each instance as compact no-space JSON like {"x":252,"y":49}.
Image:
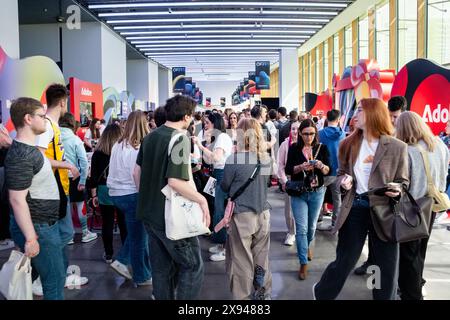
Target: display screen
{"x":252,"y":76}
{"x":178,"y":79}
{"x":262,"y":78}
{"x":85,"y":113}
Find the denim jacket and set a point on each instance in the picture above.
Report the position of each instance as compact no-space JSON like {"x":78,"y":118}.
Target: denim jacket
{"x":75,"y":153}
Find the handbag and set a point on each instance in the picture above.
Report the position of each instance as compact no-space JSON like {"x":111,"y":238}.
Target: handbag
{"x":229,"y":209}
{"x":297,"y":188}
{"x":15,"y":277}
{"x":183,"y":217}
{"x":404,"y":220}
{"x":441,"y":202}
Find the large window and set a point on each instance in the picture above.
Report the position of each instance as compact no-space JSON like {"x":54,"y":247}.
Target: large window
{"x":363,"y":36}
{"x":325,"y":65}
{"x":318,"y":62}
{"x":407,"y":31}
{"x":439,"y":31}
{"x":382,"y":34}
{"x":348,"y":52}
{"x":336,"y":54}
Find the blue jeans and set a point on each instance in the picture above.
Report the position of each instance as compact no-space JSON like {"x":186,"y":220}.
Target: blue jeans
{"x":219,"y":208}
{"x":49,"y":262}
{"x":306,"y":209}
{"x":135,"y":250}
{"x":177,"y":265}
{"x":351,"y":239}
{"x":66,"y":231}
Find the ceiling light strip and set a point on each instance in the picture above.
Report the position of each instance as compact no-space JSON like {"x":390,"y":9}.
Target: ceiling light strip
{"x":212,"y":26}
{"x":316,"y":4}
{"x":248,"y":19}
{"x":220,"y":36}
{"x":304,"y":32}
{"x":217,"y":12}
{"x":206,"y":47}
{"x":143,"y":43}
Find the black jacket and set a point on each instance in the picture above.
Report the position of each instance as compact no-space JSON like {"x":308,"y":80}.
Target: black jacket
{"x":296,"y":157}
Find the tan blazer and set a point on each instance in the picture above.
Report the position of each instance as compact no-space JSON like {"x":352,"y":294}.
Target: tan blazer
{"x":390,"y":164}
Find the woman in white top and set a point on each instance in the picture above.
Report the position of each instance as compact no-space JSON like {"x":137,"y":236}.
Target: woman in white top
{"x":220,"y":148}
{"x":281,"y":161}
{"x":124,"y":193}
{"x":412,"y":129}
{"x":93,"y":134}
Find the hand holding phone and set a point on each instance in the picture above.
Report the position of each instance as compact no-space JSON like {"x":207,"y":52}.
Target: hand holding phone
{"x":347,"y":182}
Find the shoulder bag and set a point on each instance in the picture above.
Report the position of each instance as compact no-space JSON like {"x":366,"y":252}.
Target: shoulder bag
{"x":183,"y":217}
{"x":229,"y":209}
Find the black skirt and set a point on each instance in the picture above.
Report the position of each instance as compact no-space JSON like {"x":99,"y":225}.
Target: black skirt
{"x":74,"y":194}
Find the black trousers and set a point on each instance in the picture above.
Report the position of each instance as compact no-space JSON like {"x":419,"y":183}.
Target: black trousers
{"x":412,"y":262}
{"x":351,"y":240}
{"x":4,"y":220}
{"x":108,"y":227}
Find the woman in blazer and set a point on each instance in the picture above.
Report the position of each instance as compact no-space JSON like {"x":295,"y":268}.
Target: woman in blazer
{"x":369,"y":158}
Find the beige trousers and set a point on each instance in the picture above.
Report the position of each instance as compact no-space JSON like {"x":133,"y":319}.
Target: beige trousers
{"x":247,"y":246}
{"x":290,"y":221}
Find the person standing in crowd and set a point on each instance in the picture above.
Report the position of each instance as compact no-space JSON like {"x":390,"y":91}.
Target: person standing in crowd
{"x":160,"y":116}
{"x":286,"y":129}
{"x":34,"y":198}
{"x":249,"y":232}
{"x":247,"y":113}
{"x":124,"y":194}
{"x":5,"y":235}
{"x":76,"y":155}
{"x":100,"y":193}
{"x":307,"y":161}
{"x":221,"y":147}
{"x":51,"y":146}
{"x":369,"y":158}
{"x":413,"y":130}
{"x":331,"y":136}
{"x":198,"y":121}
{"x":92,"y":134}
{"x":282,"y":120}
{"x":232,"y":126}
{"x":303,"y":116}
{"x":177,"y":266}
{"x":270,"y":123}
{"x":396,"y":106}
{"x":282,"y":159}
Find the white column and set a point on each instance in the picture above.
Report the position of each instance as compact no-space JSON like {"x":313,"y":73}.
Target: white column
{"x":9,"y":28}
{"x":153,"y":74}
{"x":114,"y":60}
{"x":164,"y":85}
{"x":138,"y":79}
{"x":289,"y":95}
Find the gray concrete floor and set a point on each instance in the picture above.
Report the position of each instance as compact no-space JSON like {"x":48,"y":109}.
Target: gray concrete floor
{"x":105,"y":284}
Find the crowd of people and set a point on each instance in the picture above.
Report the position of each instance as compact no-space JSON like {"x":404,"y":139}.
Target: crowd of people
{"x":122,"y":167}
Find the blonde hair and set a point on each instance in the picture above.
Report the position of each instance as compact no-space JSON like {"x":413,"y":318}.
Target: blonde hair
{"x":252,"y":138}
{"x":136,"y":128}
{"x":411,"y":128}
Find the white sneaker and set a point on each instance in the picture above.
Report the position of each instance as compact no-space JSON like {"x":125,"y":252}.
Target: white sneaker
{"x":70,"y":242}
{"x":314,"y":291}
{"x":424,"y":292}
{"x":37,"y":287}
{"x":121,"y":269}
{"x":88,"y":237}
{"x":220,"y":256}
{"x":290,"y":239}
{"x":74,"y":281}
{"x":323,"y":227}
{"x":216,"y":249}
{"x":149,"y":282}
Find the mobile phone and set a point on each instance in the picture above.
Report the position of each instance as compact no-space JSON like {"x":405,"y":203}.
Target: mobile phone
{"x":312,"y":162}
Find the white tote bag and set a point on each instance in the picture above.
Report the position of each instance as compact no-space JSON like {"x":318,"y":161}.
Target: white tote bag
{"x":183,"y":217}
{"x":15,"y":277}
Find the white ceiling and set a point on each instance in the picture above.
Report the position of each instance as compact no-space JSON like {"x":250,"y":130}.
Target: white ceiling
{"x":215,"y":40}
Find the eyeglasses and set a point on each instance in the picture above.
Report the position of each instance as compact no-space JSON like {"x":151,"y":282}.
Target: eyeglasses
{"x":308,"y":134}
{"x":43,"y":116}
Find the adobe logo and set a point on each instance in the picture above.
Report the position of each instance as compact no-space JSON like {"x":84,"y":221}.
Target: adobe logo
{"x":437,"y":115}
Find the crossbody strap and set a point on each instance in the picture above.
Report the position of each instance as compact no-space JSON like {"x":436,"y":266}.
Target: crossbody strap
{"x":247,"y":183}
{"x":317,"y":152}
{"x":427,"y":168}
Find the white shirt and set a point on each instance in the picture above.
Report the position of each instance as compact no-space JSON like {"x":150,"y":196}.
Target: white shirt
{"x":363,"y":165}
{"x":225,"y":143}
{"x":272,"y":129}
{"x":121,"y":166}
{"x":45,"y":138}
